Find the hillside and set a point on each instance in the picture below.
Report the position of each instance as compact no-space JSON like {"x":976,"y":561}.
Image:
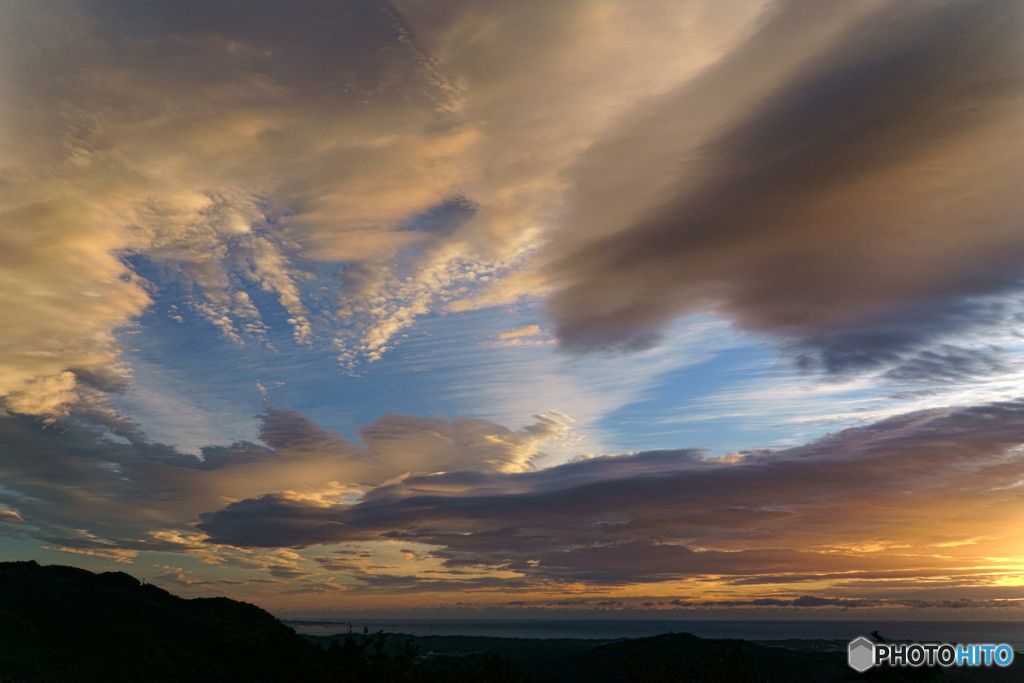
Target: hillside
{"x":65,"y":623}
{"x":62,"y":623}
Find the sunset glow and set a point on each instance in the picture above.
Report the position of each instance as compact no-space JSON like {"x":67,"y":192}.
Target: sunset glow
{"x":463,"y":308}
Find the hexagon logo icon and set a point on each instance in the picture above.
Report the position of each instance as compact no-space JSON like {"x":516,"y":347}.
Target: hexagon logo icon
{"x":861,"y":654}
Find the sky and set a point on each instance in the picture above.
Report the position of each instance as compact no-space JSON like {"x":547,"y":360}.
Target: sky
{"x":518,"y":308}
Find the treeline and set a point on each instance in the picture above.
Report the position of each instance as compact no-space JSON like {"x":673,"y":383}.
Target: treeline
{"x":371,"y":657}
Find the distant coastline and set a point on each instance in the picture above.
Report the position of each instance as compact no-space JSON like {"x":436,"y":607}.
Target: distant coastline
{"x":961,"y":631}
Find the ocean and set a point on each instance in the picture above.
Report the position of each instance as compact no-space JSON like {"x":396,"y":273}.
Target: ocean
{"x":1011,"y":632}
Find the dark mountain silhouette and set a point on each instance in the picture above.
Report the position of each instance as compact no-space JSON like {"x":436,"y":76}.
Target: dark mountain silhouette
{"x":62,"y":623}
{"x":65,"y":623}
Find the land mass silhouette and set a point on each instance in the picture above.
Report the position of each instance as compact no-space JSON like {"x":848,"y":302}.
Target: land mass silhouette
{"x":60,"y":623}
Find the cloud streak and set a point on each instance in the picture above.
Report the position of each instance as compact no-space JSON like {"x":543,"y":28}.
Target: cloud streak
{"x":851,"y":192}
{"x":906,"y":511}
{"x":100,"y":486}
{"x":240,"y":148}
{"x":923,"y":493}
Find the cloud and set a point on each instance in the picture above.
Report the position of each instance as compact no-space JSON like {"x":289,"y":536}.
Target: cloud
{"x":239,"y":150}
{"x":528,"y":335}
{"x":210,"y":150}
{"x":96,"y":483}
{"x":423,"y":162}
{"x":949,"y":364}
{"x":804,"y":601}
{"x":179,"y":577}
{"x":926,"y":499}
{"x":10,"y":517}
{"x":400,"y":444}
{"x":853,"y":191}
{"x":645,"y":604}
{"x":890,"y":496}
{"x":122,"y":555}
{"x":525,"y":331}
{"x":930,"y":335}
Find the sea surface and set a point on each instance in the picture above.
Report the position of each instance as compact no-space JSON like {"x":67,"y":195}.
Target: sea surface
{"x":1010,"y":632}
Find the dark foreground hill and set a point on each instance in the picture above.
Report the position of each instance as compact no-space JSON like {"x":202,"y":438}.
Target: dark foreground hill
{"x":65,"y":623}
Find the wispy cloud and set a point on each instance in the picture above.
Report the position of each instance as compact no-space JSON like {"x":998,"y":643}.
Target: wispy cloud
{"x":528,"y":335}
{"x":853,"y":191}
{"x":236,"y":154}
{"x":99,"y":485}
{"x":888,"y":496}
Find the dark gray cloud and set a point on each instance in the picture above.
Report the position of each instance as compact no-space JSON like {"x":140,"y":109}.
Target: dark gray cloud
{"x":950,"y":365}
{"x":852,"y":191}
{"x":817,"y":601}
{"x":95,"y":481}
{"x":890,"y":575}
{"x":810,"y":601}
{"x":879,"y":498}
{"x":907,"y":344}
{"x":914,"y":497}
{"x":273,"y":520}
